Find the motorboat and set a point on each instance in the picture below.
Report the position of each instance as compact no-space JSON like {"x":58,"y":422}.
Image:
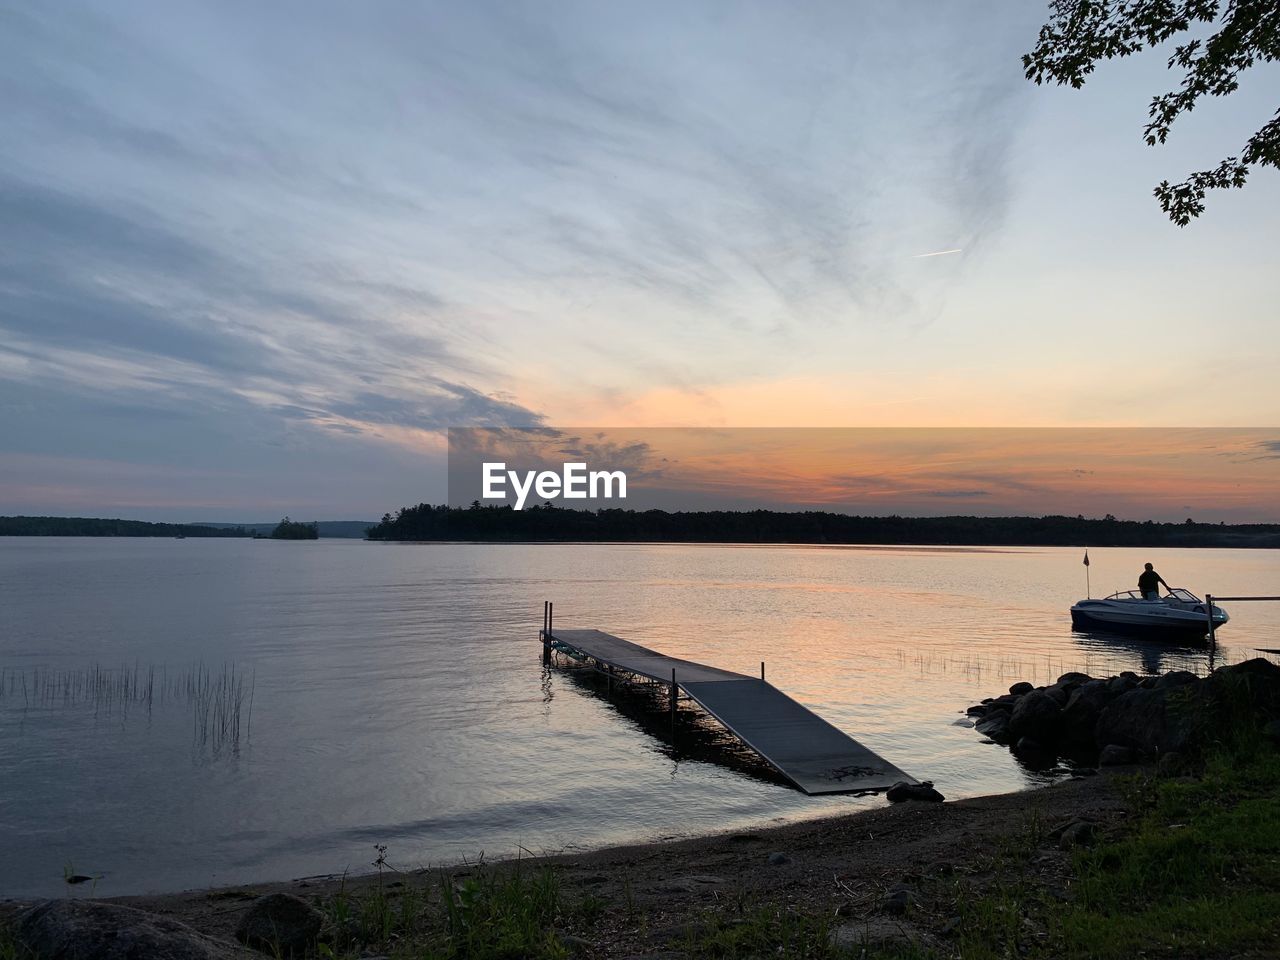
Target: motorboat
{"x":1178,"y":611}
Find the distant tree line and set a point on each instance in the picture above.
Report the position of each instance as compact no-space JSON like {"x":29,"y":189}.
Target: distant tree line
{"x":288,"y":529}
{"x":502,"y":523}
{"x":93,"y":527}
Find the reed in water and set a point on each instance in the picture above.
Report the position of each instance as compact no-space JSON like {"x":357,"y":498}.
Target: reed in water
{"x":220,"y":699}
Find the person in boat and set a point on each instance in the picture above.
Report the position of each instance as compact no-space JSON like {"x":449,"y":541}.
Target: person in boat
{"x":1149,"y":583}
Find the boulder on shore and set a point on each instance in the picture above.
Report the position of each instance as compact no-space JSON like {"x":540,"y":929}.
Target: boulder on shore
{"x":1080,"y":715}
{"x":1038,"y":716}
{"x":995,"y":726}
{"x":1114,"y":755}
{"x":1249,"y":685}
{"x":913,"y":791}
{"x":280,"y":923}
{"x":1152,"y":720}
{"x":91,"y":930}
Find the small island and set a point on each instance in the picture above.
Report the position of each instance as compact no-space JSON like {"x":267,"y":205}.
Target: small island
{"x":288,"y":529}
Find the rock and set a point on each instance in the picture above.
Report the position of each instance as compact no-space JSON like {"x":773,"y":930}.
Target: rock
{"x":995,"y":726}
{"x":777,"y":859}
{"x":898,"y":901}
{"x":1114,"y":755}
{"x":90,"y":930}
{"x":1272,"y":732}
{"x":1080,"y":715}
{"x":1120,"y":684}
{"x":575,"y":944}
{"x":950,"y":927}
{"x":1073,"y":678}
{"x":1078,"y":834}
{"x":1059,"y":695}
{"x":1037,"y":715}
{"x":1254,"y":682}
{"x":280,"y":923}
{"x":977,"y":710}
{"x":1034,"y":752}
{"x":1175,"y":678}
{"x":913,"y":791}
{"x":1021,"y":688}
{"x":1170,"y":764}
{"x":1153,"y":721}
{"x":879,"y":934}
{"x":962,"y":722}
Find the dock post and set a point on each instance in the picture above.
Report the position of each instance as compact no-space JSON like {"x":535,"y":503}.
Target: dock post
{"x":762,"y":670}
{"x":546,"y":625}
{"x":1208,"y":612}
{"x":551,"y":618}
{"x":674,"y":694}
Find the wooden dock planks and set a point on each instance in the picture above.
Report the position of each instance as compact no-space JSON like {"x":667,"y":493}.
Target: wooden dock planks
{"x":810,"y":752}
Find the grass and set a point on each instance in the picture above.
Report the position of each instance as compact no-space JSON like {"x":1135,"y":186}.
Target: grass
{"x":767,"y":930}
{"x":1199,"y":876}
{"x":494,"y":913}
{"x":10,"y":949}
{"x":1195,"y":874}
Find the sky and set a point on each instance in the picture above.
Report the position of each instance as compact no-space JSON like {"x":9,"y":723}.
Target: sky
{"x":255,"y":258}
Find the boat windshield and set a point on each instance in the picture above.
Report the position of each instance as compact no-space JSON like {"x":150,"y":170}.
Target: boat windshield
{"x":1176,"y":593}
{"x":1126,"y":595}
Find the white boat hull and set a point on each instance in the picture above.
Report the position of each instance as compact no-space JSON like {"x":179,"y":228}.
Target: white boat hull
{"x":1130,"y":615}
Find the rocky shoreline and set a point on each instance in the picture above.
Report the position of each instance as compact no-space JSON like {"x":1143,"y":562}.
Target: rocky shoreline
{"x":1108,"y":721}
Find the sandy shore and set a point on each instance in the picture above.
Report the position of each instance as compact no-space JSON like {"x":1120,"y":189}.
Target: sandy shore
{"x":844,"y":865}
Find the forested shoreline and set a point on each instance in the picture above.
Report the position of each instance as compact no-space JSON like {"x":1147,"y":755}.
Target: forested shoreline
{"x":544,"y":523}
{"x":97,"y":527}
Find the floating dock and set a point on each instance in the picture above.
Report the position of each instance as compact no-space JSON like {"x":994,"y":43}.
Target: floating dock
{"x":807,"y":750}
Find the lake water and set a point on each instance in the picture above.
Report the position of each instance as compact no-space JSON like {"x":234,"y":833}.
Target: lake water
{"x":394,"y":693}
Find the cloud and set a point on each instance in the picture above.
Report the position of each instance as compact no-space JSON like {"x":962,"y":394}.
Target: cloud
{"x":353,"y":229}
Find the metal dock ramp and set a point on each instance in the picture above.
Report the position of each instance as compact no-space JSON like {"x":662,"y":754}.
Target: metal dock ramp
{"x":807,"y":750}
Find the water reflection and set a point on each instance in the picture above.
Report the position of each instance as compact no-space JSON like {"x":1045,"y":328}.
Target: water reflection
{"x":1150,"y":654}
{"x":690,"y":736}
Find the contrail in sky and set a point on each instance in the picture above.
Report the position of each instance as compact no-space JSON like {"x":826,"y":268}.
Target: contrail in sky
{"x":938,"y":253}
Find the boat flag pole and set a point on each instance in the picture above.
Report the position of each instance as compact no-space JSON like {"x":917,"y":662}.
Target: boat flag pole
{"x":1088,"y":590}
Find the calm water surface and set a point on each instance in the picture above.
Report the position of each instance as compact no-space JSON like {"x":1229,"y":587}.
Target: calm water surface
{"x":394,"y":693}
